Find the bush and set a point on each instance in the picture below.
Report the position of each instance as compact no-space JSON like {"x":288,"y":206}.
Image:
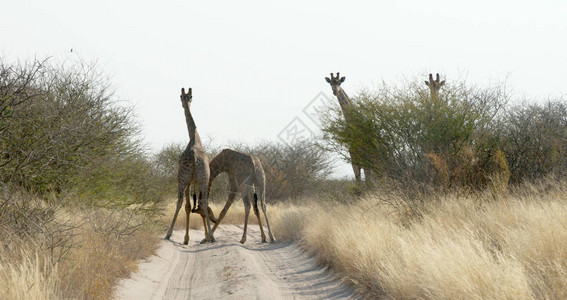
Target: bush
{"x":404,"y":134}
{"x":534,"y":138}
{"x":67,"y":148}
{"x":63,"y":130}
{"x":53,"y":252}
{"x":469,"y":247}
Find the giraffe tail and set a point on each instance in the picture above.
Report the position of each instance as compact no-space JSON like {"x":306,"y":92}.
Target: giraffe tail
{"x":197,"y":210}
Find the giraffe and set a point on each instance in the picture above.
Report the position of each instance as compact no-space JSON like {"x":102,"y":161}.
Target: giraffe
{"x":246,"y":176}
{"x":434,"y":85}
{"x":345,"y":104}
{"x":193,"y":169}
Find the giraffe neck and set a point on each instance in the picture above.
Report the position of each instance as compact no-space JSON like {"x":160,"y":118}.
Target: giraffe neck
{"x":434,"y":92}
{"x":344,"y":101}
{"x":218,"y":165}
{"x":194,"y":138}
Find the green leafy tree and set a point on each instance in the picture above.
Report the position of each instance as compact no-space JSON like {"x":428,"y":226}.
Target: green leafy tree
{"x":396,"y":131}
{"x":63,"y":130}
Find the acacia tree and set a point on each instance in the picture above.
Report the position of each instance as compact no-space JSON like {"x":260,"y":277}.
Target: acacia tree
{"x":397,"y":131}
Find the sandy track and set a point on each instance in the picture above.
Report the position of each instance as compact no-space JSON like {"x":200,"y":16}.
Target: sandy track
{"x":228,"y":270}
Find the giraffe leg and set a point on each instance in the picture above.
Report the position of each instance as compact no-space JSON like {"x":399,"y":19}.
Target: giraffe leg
{"x":231,"y":197}
{"x":212,"y":216}
{"x":356,"y":170}
{"x":202,"y":216}
{"x":257,"y":213}
{"x":179,"y":204}
{"x":188,"y":213}
{"x":263,"y":203}
{"x":246,"y":199}
{"x":367,"y":175}
{"x":208,"y":232}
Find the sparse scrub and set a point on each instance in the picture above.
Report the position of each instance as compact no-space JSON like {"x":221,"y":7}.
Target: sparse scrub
{"x":77,"y":253}
{"x":64,"y":132}
{"x":108,"y":245}
{"x":460,"y":247}
{"x":77,"y":192}
{"x":534,"y":138}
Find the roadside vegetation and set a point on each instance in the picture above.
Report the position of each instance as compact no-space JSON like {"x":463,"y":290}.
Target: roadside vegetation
{"x":467,"y":198}
{"x":78,"y":194}
{"x":445,"y":246}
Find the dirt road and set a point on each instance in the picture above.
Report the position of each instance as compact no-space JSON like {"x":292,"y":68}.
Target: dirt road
{"x":228,"y":270}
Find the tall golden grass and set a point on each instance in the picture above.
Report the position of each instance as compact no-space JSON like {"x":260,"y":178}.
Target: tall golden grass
{"x":512,"y":246}
{"x":448,"y":247}
{"x":26,"y":275}
{"x":100,"y":247}
{"x":96,"y":248}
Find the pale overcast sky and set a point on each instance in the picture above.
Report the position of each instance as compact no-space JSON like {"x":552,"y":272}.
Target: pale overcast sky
{"x":255,"y":65}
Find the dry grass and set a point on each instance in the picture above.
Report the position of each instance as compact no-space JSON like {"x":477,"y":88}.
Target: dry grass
{"x":514,"y":247}
{"x":28,"y":277}
{"x":511,"y":248}
{"x":88,"y":252}
{"x":109,"y":248}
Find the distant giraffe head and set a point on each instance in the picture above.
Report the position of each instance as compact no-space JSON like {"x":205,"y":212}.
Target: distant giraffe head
{"x":335,"y":82}
{"x":434,"y":85}
{"x":186,"y":98}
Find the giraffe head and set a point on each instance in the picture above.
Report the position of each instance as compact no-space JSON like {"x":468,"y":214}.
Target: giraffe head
{"x":335,"y":82}
{"x":186,"y":97}
{"x":434,"y":85}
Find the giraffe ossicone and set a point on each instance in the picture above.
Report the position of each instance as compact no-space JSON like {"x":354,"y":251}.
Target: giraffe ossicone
{"x":434,"y":85}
